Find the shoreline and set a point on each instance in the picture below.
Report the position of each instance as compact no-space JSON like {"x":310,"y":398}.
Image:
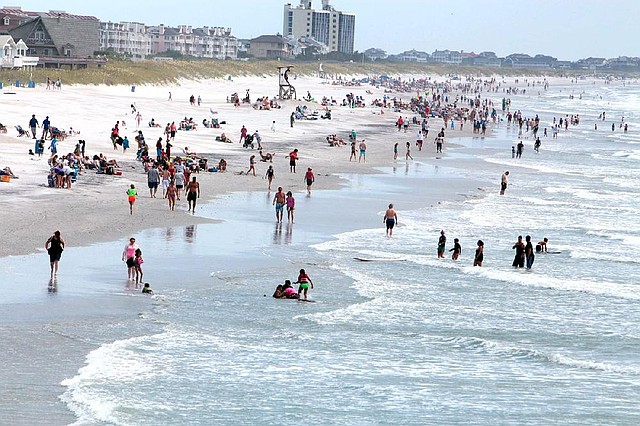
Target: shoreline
{"x":114,"y":222}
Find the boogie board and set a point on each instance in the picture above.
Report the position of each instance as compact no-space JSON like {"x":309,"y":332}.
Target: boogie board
{"x":378,"y":259}
{"x":307,"y":300}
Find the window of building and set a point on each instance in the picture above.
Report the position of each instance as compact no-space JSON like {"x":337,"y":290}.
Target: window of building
{"x":7,"y":21}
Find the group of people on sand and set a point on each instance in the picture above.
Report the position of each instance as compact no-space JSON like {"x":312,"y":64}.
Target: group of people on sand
{"x":286,"y":290}
{"x":174,"y":178}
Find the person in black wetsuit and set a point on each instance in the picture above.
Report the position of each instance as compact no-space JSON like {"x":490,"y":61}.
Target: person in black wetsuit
{"x":518,"y":260}
{"x":479,"y":257}
{"x":54,"y":246}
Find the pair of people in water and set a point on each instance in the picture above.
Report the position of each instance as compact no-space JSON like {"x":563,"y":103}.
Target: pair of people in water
{"x":286,"y":290}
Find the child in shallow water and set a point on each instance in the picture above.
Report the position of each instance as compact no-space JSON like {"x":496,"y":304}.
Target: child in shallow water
{"x":137,"y":262}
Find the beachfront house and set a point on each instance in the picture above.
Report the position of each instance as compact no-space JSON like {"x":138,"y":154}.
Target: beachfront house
{"x":521,"y":60}
{"x":125,"y":38}
{"x":270,"y":47}
{"x":61,"y":39}
{"x":412,"y":55}
{"x":14,"y":54}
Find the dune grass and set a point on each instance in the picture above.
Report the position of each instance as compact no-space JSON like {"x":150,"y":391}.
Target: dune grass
{"x":117,"y":72}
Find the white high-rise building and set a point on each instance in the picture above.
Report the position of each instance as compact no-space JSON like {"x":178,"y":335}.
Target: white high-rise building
{"x":331,"y":27}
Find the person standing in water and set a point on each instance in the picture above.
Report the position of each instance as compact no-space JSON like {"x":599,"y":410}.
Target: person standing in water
{"x":518,"y":260}
{"x":390,"y":219}
{"x":479,"y":257}
{"x":528,"y":252}
{"x":304,"y":281}
{"x":291,"y":206}
{"x":504,"y":182}
{"x":54,"y":247}
{"x":457,"y":249}
{"x":442,"y":242}
{"x":128,"y":256}
{"x":278,"y":200}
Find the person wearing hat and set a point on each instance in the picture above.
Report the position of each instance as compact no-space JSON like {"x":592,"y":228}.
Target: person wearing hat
{"x":46,"y":124}
{"x":310,"y":179}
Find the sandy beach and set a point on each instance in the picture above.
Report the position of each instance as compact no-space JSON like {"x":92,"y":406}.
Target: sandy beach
{"x":95,"y":209}
{"x":94,"y":217}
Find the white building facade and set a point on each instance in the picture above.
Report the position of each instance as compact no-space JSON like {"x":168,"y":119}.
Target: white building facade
{"x":139,"y":41}
{"x":328,"y":26}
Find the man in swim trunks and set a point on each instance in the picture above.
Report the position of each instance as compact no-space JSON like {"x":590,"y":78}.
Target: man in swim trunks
{"x":279,"y":200}
{"x":193,"y":193}
{"x":442,"y":242}
{"x":390,"y":219}
{"x":504,"y":182}
{"x":153,"y":179}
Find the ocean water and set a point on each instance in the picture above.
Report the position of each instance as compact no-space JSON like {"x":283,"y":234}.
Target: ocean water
{"x":420,"y":340}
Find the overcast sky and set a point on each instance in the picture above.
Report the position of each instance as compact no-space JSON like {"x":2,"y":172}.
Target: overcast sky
{"x":566,"y":29}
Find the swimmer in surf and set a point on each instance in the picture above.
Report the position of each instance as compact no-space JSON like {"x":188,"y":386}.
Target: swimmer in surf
{"x":304,"y":281}
{"x":390,"y":219}
{"x":541,"y":247}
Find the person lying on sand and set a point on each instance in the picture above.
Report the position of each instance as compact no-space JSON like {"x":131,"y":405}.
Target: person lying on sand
{"x":266,"y":157}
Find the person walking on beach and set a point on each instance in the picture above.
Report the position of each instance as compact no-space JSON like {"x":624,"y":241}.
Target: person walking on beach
{"x":479,"y":257}
{"x":54,"y":247}
{"x":193,"y":193}
{"x":291,"y":206}
{"x":304,"y":281}
{"x":363,"y":151}
{"x":252,"y":165}
{"x":33,"y":124}
{"x":353,"y":151}
{"x":279,"y":200}
{"x":46,"y":124}
{"x":292,"y":119}
{"x":419,"y":140}
{"x":504,"y":182}
{"x":442,"y":242}
{"x":170,"y":99}
{"x":128,"y":256}
{"x":171,"y":195}
{"x":153,"y":180}
{"x":166,"y":179}
{"x":457,"y":249}
{"x":269,"y":176}
{"x":395,"y":151}
{"x":408,"y":154}
{"x":293,"y":157}
{"x":390,"y":219}
{"x":131,"y":195}
{"x":309,"y":179}
{"x":528,"y":252}
{"x":518,"y":260}
{"x":273,"y":126}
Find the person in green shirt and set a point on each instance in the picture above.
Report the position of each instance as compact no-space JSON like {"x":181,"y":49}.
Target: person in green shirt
{"x":132,"y":193}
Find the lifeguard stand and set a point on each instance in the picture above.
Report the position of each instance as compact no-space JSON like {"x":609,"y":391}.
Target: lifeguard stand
{"x":287,"y":91}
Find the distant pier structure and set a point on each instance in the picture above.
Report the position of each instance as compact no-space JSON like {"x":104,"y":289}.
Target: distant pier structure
{"x":287,"y":91}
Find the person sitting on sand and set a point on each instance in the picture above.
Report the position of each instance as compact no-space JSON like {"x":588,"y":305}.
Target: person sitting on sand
{"x":266,"y":157}
{"x":222,"y":165}
{"x":190,"y":154}
{"x":7,"y":172}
